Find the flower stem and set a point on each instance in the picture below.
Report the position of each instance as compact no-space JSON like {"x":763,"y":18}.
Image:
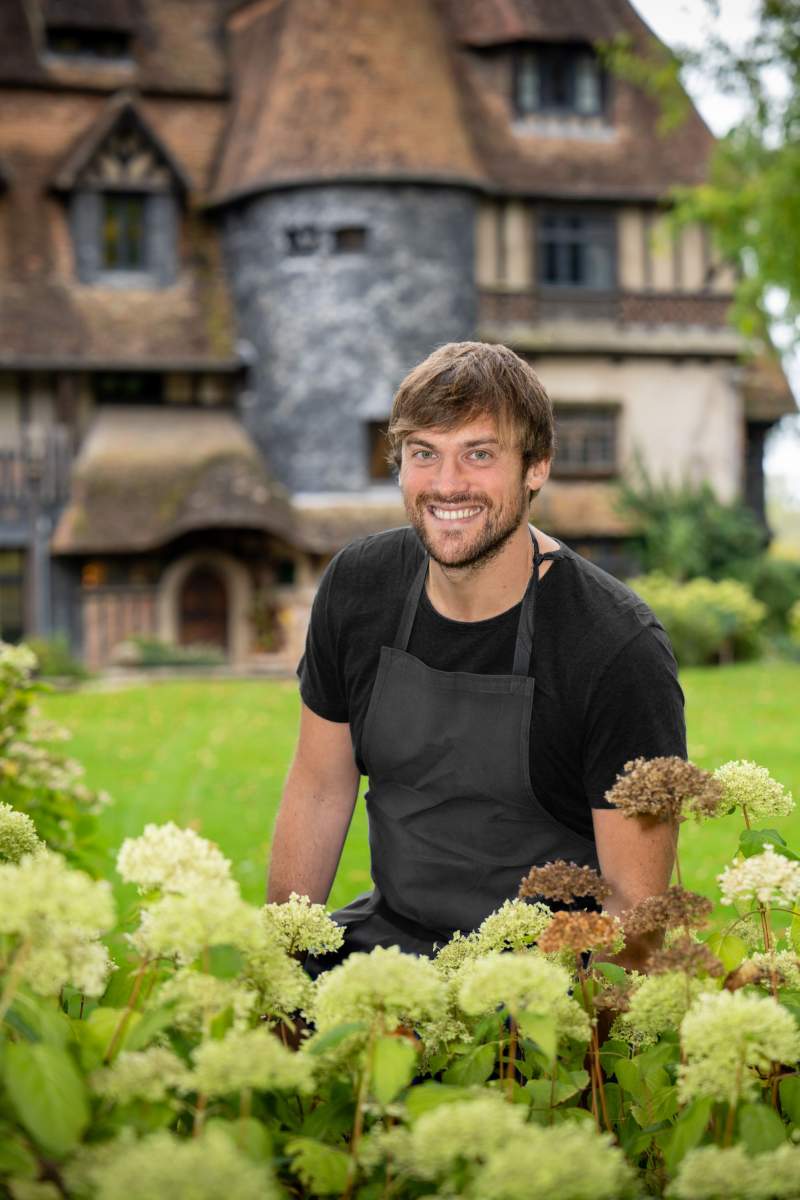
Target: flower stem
{"x":358,"y":1123}
{"x":14,"y":978}
{"x":595,"y":1071}
{"x":124,"y":1020}
{"x":512,"y":1057}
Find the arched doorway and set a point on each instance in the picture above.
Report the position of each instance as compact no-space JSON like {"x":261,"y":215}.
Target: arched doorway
{"x":203,"y":608}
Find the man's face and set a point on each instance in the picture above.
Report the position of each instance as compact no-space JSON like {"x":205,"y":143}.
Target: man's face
{"x":464,"y":492}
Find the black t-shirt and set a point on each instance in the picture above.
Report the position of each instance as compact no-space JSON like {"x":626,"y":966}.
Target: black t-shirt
{"x":606,"y":679}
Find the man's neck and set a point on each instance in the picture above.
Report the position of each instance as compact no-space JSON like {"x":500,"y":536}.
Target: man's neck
{"x":475,"y":594}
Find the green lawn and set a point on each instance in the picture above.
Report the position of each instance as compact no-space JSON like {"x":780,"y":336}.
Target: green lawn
{"x":214,"y":754}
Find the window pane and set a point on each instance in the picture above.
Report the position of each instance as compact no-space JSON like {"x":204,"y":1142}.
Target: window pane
{"x":598,"y":269}
{"x":378,"y":449}
{"x":302,"y":240}
{"x":528,"y":82}
{"x":350,"y":240}
{"x":587,"y":84}
{"x":123,"y":231}
{"x":12,"y":596}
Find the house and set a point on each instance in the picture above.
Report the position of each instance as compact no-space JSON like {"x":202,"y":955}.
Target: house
{"x":227,"y":230}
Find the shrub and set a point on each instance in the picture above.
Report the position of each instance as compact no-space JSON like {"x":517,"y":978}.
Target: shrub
{"x":776,"y":584}
{"x":54,"y":658}
{"x":707,"y":621}
{"x":152,"y":652}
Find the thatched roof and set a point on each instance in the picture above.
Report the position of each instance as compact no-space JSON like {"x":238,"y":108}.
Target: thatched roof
{"x":146,"y":474}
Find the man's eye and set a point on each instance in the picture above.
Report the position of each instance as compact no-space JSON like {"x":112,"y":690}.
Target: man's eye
{"x":485,"y":454}
{"x":419,"y":453}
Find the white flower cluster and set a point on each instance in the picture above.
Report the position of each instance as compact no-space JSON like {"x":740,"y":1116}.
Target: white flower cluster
{"x":521,"y":981}
{"x":198,"y":998}
{"x":514,"y":926}
{"x":57,"y":915}
{"x":16,"y":661}
{"x":658,"y":1003}
{"x":18,"y":834}
{"x":298,"y":925}
{"x":248,"y":1058}
{"x":182,"y":926}
{"x":726,"y":1036}
{"x":170,"y":859}
{"x":711,"y":1173}
{"x":747,"y":785}
{"x":397,"y":988}
{"x":769,"y":878}
{"x":140,"y":1075}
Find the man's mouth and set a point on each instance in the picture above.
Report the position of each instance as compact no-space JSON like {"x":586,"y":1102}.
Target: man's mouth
{"x":455,"y":514}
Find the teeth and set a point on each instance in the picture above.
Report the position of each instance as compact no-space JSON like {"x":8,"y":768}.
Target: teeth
{"x":455,"y":514}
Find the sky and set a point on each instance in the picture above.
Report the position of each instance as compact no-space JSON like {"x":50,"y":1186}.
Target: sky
{"x":686,"y":23}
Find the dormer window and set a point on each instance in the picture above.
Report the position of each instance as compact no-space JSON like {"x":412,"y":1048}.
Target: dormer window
{"x":123,"y":224}
{"x":97,"y":45}
{"x":558,"y":78}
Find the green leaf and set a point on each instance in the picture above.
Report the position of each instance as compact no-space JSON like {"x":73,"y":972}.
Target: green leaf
{"x":475,"y":1067}
{"x":547,"y":1094}
{"x":37,"y":1020}
{"x":250,"y":1135}
{"x":628,"y":1076}
{"x":794,"y":932}
{"x":95,"y":1034}
{"x":15,"y":1158}
{"x":540,"y":1028}
{"x":729,"y":949}
{"x":613,"y":972}
{"x":661,"y":1105}
{"x":431,"y":1094}
{"x":224,"y":962}
{"x":323,"y":1169}
{"x":686,"y":1133}
{"x":760,"y":1128}
{"x":47,"y":1093}
{"x":321,"y":1043}
{"x":789,"y":1092}
{"x":611,"y":1052}
{"x":142,"y":1031}
{"x":393,"y":1063}
{"x":751,"y":841}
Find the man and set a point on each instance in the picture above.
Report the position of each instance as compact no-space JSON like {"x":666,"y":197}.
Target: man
{"x":489,"y":681}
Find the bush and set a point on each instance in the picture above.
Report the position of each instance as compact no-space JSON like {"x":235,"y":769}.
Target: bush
{"x":776,"y":584}
{"x":151,"y":652}
{"x":55,"y":658}
{"x":707,"y":621}
{"x":794,"y":623}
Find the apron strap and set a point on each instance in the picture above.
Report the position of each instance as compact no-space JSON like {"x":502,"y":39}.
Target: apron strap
{"x":410,"y":607}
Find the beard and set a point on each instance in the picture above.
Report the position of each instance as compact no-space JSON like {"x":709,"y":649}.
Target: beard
{"x":476,"y":551}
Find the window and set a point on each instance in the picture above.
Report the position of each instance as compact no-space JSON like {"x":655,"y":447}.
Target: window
{"x":304,"y":239}
{"x":123,"y":231}
{"x":558,"y":78}
{"x":12,"y":618}
{"x":379,"y":469}
{"x":349,"y":240}
{"x":586,"y":441}
{"x":576,"y":250}
{"x":70,"y":41}
{"x":127,"y":387}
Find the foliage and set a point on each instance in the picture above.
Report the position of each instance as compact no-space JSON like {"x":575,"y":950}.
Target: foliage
{"x":55,"y":659}
{"x":171,"y":1074}
{"x":152,"y":652}
{"x":794,"y":622}
{"x":706,"y":621}
{"x":776,"y":583}
{"x":686,"y":532}
{"x":45,"y":785}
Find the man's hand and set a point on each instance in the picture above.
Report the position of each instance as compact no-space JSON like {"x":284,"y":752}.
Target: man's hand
{"x":315,"y":812}
{"x":636,"y":856}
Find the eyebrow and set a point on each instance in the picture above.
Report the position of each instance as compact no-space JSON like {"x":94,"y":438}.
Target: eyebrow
{"x":487,"y":441}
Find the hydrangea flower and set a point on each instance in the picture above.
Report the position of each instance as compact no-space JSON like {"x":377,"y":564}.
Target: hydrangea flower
{"x":140,"y":1075}
{"x":161,"y":1164}
{"x":250,"y":1058}
{"x":58,"y":913}
{"x":726,"y":1035}
{"x":298,"y":925}
{"x":514,"y":926}
{"x":522,"y":981}
{"x":182,"y":926}
{"x":748,"y":786}
{"x":768,"y":877}
{"x":711,"y":1173}
{"x":198,"y":998}
{"x":18,"y":834}
{"x":573,"y":1162}
{"x":466,"y":1131}
{"x":396,"y":988}
{"x":171,"y":859}
{"x":659,"y":1002}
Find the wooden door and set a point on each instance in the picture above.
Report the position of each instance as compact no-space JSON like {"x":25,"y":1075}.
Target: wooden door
{"x":203,"y":608}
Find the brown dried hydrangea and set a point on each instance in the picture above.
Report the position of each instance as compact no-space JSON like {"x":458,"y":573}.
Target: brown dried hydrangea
{"x":763,"y":971}
{"x":667,"y":788}
{"x":563,"y":881}
{"x":667,"y":910}
{"x":616,"y":999}
{"x":579,"y":931}
{"x":685,"y":955}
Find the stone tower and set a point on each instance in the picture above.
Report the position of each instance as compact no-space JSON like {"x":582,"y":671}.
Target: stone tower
{"x":346,"y":198}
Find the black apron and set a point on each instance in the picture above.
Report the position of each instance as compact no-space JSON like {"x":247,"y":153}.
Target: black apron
{"x":454,"y":821}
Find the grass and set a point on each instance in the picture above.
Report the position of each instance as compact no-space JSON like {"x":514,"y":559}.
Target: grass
{"x":214,"y":754}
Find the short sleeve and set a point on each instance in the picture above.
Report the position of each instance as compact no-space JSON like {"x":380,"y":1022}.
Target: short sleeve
{"x":320,"y":681}
{"x":636,"y":710}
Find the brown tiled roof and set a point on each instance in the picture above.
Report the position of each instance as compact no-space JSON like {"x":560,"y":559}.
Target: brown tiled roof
{"x":629,"y":160}
{"x":326,"y":530}
{"x":177,"y":45}
{"x":578,"y":508}
{"x":145,"y":475}
{"x":121,"y":106}
{"x":767,"y":395}
{"x":345,"y":90}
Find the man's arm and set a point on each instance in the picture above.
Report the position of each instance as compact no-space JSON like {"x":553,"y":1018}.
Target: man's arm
{"x":318,"y":801}
{"x":636,"y":856}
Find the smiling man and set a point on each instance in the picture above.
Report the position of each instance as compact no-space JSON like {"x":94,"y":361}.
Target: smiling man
{"x":490,"y":682}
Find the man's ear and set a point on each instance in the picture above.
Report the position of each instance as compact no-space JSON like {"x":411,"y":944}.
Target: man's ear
{"x":537,"y":474}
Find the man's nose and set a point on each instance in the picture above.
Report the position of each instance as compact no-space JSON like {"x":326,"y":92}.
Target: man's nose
{"x":452,"y":473}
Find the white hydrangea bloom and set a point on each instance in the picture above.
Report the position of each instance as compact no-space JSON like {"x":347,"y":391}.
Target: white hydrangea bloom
{"x":522,"y":981}
{"x":768,"y":877}
{"x":181,"y":927}
{"x":466,"y":1131}
{"x":573,"y":1162}
{"x":250,"y":1058}
{"x":517,"y":924}
{"x":58,"y":914}
{"x":747,"y":785}
{"x":18,"y":834}
{"x":660,"y":1002}
{"x":17,"y":660}
{"x":784,"y":962}
{"x":140,"y":1075}
{"x":711,"y":1173}
{"x":725,"y":1036}
{"x":400,"y":989}
{"x":171,"y":859}
{"x":199,"y":998}
{"x":298,"y":925}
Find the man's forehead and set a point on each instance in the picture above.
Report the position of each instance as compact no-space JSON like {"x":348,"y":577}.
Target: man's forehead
{"x":484,"y":429}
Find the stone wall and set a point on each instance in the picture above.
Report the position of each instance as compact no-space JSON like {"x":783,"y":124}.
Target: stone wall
{"x":335,"y":329}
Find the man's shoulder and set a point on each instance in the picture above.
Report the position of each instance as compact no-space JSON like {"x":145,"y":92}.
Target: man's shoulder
{"x":603,"y":595}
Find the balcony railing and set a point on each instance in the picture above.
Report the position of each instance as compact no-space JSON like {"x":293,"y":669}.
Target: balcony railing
{"x":37,"y":469}
{"x":621,"y":308}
